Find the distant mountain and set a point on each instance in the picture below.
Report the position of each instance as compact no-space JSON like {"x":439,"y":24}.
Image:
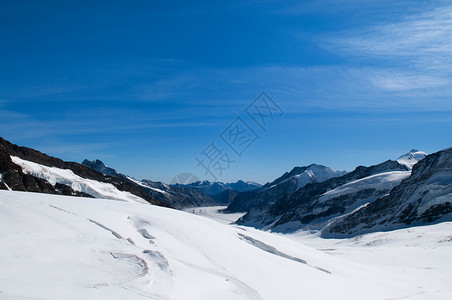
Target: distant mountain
{"x":101,"y":167}
{"x":179,"y":196}
{"x":386,"y":196}
{"x":411,"y":158}
{"x":424,"y":197}
{"x":316,"y":203}
{"x":285,"y":185}
{"x":215,"y":188}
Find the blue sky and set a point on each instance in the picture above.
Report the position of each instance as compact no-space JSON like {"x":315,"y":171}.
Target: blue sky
{"x":146,"y":86}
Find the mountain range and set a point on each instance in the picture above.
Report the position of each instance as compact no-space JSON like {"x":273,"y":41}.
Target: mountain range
{"x":415,"y":189}
{"x":26,"y":169}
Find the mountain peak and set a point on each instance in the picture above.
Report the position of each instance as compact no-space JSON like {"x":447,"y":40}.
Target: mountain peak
{"x":99,"y":166}
{"x":411,"y":158}
{"x":96,"y":162}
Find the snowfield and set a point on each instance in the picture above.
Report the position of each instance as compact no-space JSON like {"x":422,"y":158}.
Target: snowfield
{"x":60,"y":247}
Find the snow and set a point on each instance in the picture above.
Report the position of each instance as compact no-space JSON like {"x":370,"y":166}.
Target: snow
{"x":313,"y":173}
{"x":411,"y":158}
{"x":65,"y":176}
{"x":140,"y":183}
{"x":381,"y":181}
{"x":436,"y":190}
{"x":214,"y":213}
{"x":60,"y":247}
{"x":316,"y":173}
{"x":421,"y":256}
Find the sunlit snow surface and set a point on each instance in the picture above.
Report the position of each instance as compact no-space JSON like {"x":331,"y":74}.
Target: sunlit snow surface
{"x":59,"y":247}
{"x":65,"y":176}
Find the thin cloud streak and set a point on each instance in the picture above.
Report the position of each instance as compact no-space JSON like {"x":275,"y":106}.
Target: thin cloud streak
{"x":418,"y":46}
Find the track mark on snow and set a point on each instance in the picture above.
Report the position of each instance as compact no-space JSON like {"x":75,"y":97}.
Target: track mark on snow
{"x":117,"y":235}
{"x":63,"y":210}
{"x":159,"y":260}
{"x":144,"y":233}
{"x":137,"y":223}
{"x":273,"y":250}
{"x":132,"y":258}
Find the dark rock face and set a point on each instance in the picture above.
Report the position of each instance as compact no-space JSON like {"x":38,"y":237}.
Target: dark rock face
{"x":13,"y":178}
{"x":424,"y":197}
{"x":306,"y":205}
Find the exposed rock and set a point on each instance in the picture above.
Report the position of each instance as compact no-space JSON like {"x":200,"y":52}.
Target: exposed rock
{"x":424,"y":197}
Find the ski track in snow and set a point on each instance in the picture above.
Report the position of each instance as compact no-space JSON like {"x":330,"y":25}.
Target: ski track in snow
{"x":272,"y":250}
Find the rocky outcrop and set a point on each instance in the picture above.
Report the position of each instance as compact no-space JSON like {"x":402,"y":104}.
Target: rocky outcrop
{"x":317,"y":203}
{"x":424,"y":197}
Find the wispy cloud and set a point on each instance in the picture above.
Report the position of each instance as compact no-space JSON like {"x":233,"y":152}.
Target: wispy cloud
{"x":416,"y":49}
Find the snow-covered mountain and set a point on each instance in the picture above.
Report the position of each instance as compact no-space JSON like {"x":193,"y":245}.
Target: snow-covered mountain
{"x":317,"y":203}
{"x":411,"y":158}
{"x":424,"y":197}
{"x":285,"y":185}
{"x":60,"y":247}
{"x":387,"y":196}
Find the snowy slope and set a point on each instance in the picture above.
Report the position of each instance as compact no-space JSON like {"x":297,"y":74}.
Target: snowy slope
{"x":67,"y":177}
{"x":60,"y":247}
